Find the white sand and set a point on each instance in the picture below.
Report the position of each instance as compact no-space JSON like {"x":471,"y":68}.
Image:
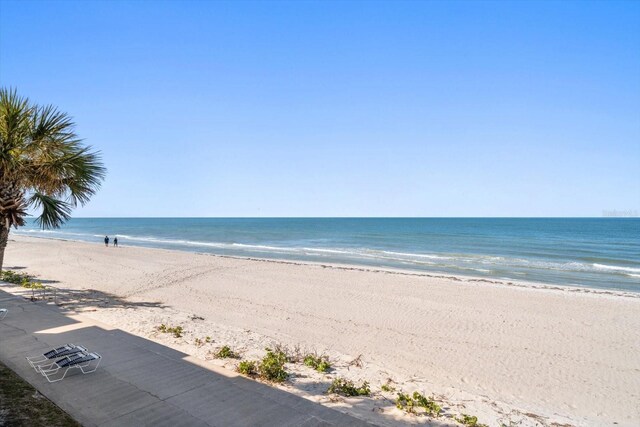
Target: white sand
{"x":507,"y":353}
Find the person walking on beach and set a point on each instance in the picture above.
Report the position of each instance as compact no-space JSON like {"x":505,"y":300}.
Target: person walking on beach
{"x":106,"y":240}
{"x":115,"y":242}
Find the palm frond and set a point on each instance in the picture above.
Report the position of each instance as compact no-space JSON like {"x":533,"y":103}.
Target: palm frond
{"x":51,"y":128}
{"x":86,"y":175}
{"x":15,"y":115}
{"x":54,"y":212}
{"x":73,"y":172}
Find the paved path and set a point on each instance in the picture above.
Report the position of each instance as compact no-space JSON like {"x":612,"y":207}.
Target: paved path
{"x":140,"y":382}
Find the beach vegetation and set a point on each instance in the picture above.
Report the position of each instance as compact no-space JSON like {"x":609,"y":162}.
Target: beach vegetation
{"x":271,"y":367}
{"x":345,"y":387}
{"x":44,"y":166}
{"x":21,"y":279}
{"x":357,"y":362}
{"x":418,"y":404}
{"x":199,"y":342}
{"x":293,"y":354}
{"x":225,"y":352}
{"x":248,"y":368}
{"x":387,"y":388}
{"x":469,"y":421}
{"x":32,"y":285}
{"x":177,"y":331}
{"x":318,"y":362}
{"x":13,"y":277}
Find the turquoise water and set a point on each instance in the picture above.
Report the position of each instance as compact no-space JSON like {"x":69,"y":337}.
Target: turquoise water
{"x":599,"y":253}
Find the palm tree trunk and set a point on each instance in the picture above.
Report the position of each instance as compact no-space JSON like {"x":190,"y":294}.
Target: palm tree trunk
{"x":12,"y":211}
{"x":4,"y":237}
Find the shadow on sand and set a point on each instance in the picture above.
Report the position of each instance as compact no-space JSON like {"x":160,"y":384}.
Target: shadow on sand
{"x":141,"y":382}
{"x":78,"y":300}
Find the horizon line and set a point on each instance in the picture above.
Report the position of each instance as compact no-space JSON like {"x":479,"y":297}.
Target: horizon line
{"x":356,"y":217}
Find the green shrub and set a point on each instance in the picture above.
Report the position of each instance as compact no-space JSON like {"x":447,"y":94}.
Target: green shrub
{"x":293,"y":354}
{"x":405,"y":403}
{"x":175,"y":330}
{"x":345,"y":387}
{"x":412,"y":404}
{"x":388,"y":388}
{"x":21,"y":279}
{"x":13,"y":277}
{"x":469,"y":421}
{"x":271,"y":367}
{"x":225,"y":352}
{"x":319,"y":363}
{"x":248,"y":368}
{"x":32,"y":285}
{"x":323,"y":366}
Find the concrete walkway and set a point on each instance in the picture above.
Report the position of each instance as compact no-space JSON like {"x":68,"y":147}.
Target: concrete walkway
{"x":142,"y":383}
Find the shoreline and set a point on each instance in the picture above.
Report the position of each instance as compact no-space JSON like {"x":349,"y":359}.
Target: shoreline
{"x":385,"y":270}
{"x":506,"y":353}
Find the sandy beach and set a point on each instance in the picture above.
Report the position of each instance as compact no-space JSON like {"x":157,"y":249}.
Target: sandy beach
{"x":512,"y":354}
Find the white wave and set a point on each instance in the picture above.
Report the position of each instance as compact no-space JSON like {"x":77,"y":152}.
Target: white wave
{"x":429,"y":256}
{"x":221,"y":245}
{"x":263,"y":247}
{"x":547,"y":265}
{"x":58,"y":232}
{"x":616,"y":268}
{"x":172,"y":241}
{"x":118,"y":235}
{"x":330,"y":251}
{"x":633,"y":275}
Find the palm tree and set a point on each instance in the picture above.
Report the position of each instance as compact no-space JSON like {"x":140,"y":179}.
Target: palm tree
{"x":44,"y":167}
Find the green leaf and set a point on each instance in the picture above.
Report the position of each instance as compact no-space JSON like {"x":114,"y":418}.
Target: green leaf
{"x":54,"y":212}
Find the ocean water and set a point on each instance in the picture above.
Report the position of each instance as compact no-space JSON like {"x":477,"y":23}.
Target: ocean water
{"x":596,"y":253}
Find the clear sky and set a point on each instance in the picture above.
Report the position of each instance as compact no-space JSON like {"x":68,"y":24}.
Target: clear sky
{"x":336,"y":108}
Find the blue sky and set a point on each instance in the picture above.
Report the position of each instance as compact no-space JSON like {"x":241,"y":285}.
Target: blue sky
{"x":342,"y":108}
